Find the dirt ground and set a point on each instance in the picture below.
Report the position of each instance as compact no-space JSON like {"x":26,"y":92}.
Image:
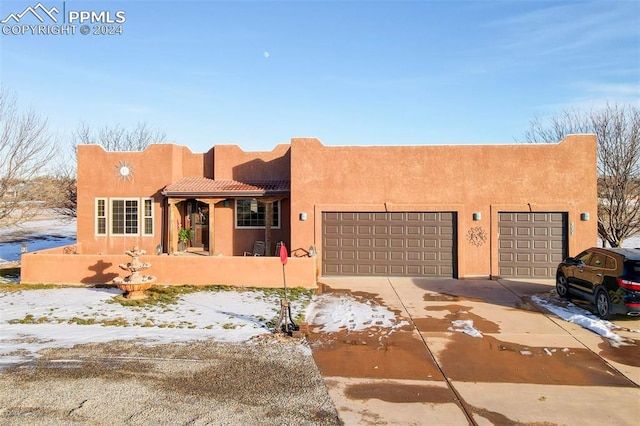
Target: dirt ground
{"x":270,"y":380}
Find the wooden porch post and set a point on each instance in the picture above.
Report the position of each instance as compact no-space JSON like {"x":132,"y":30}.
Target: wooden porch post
{"x":268,"y":219}
{"x":173,"y":222}
{"x":212,"y":241}
{"x":170,"y":224}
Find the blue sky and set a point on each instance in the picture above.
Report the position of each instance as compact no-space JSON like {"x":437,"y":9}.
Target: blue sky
{"x":347,"y":72}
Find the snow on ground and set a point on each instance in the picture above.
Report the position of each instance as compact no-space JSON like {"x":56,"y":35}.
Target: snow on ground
{"x":466,"y":327}
{"x":32,"y":320}
{"x":581,"y":317}
{"x":341,"y":312}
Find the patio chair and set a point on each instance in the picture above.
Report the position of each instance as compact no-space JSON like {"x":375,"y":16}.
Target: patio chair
{"x":258,"y":249}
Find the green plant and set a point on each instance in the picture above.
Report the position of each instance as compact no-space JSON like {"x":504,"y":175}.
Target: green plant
{"x":185,"y":235}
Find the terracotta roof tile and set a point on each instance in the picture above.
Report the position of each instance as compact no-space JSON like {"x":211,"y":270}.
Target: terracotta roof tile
{"x":206,"y":186}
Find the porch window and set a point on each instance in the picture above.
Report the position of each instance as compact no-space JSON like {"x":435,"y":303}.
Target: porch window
{"x":124,"y":216}
{"x":147,"y":212}
{"x":251,"y":214}
{"x":101,"y":216}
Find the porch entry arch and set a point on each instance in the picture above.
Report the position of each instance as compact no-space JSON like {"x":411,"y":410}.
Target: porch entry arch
{"x":196,"y":214}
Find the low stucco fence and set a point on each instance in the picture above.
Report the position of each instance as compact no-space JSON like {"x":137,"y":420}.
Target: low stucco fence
{"x":67,"y":265}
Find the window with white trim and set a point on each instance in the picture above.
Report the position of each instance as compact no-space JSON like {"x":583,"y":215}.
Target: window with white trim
{"x":101,"y":216}
{"x":147,"y":216}
{"x":124,"y":216}
{"x":251,"y":213}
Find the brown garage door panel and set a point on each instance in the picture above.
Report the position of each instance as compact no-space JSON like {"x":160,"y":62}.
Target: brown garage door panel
{"x":530,"y":245}
{"x":392,"y":243}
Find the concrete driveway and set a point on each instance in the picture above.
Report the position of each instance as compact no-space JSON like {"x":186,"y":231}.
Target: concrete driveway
{"x":528,"y":367}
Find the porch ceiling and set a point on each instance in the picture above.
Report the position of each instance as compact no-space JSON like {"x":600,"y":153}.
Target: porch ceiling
{"x":201,"y":186}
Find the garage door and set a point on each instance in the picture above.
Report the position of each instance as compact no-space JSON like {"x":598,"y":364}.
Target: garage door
{"x":389,"y":243}
{"x":530,"y":245}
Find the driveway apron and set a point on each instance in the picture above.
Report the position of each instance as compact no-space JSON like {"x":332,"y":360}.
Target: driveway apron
{"x":472,"y":352}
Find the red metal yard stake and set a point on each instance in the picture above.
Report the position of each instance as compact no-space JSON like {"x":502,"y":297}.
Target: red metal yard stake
{"x":285,"y":322}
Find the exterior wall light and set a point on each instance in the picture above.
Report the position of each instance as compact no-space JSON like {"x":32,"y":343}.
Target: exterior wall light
{"x":584,"y":216}
{"x":303,"y":216}
{"x":477,"y":216}
{"x":226,"y":203}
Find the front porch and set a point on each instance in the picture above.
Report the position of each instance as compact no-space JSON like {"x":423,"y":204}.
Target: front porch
{"x":224,"y":217}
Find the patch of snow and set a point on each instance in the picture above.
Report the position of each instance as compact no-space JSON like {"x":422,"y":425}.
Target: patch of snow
{"x":466,"y":327}
{"x":340,"y":312}
{"x":576,"y":315}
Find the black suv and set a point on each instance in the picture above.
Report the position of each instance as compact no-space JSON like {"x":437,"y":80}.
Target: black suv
{"x":609,"y":278}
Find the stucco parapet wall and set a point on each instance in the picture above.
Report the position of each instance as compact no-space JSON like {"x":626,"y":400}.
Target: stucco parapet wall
{"x":232,"y":162}
{"x":238,"y":271}
{"x":147,"y":150}
{"x":569,"y":139}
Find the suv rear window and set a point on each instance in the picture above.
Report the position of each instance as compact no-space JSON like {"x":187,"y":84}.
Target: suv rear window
{"x":633,"y":270}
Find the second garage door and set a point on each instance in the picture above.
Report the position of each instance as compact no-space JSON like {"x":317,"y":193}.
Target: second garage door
{"x":389,"y":243}
{"x":531,"y":244}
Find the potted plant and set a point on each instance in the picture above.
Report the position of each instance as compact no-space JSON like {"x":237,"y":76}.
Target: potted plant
{"x":184,"y":237}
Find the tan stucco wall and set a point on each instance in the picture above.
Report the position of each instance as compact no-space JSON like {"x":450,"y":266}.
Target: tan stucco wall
{"x":152,"y":169}
{"x":45,"y":267}
{"x":463,"y":178}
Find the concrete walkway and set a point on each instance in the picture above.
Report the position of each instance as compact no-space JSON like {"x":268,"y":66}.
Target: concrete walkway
{"x":528,"y":367}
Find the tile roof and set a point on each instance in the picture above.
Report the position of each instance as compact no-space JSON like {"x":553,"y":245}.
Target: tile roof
{"x":205,"y":186}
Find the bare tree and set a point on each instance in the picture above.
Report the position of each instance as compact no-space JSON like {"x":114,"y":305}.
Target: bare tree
{"x":617,"y":128}
{"x":66,"y":202}
{"x":26,"y":149}
{"x":111,"y":138}
{"x":117,"y":138}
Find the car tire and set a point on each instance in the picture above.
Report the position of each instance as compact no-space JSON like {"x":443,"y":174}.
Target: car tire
{"x":603,"y":304}
{"x":562,"y":286}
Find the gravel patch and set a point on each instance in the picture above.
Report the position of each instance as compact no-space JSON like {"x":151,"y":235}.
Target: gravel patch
{"x":269,"y":380}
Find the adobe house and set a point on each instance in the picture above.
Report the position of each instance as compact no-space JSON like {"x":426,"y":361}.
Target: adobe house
{"x":460,"y":211}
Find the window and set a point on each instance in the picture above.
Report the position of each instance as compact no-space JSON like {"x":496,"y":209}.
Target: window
{"x":597,"y":260}
{"x":124,"y":216}
{"x":584,"y":257}
{"x":251,"y":214}
{"x":101,"y":216}
{"x":610,"y":263}
{"x":147,"y":212}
